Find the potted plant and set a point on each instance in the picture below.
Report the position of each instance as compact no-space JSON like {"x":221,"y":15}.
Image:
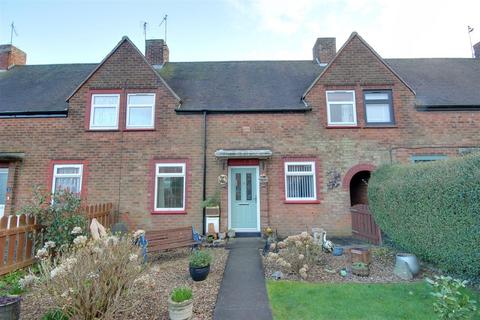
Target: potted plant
{"x":212,"y":205}
{"x":180,"y":304}
{"x":360,"y":269}
{"x":10,"y":307}
{"x":199,"y":265}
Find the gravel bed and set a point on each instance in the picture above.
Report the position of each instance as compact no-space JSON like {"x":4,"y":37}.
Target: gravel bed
{"x":167,"y":271}
{"x":327,"y":269}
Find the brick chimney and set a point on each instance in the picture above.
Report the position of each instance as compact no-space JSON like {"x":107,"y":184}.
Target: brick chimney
{"x":156,"y":52}
{"x":11,"y":56}
{"x":324,"y":50}
{"x":476,"y":50}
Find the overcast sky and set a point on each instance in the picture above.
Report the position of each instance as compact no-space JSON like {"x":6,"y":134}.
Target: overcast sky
{"x":54,"y":31}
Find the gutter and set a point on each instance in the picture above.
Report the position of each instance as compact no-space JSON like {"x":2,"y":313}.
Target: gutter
{"x":13,"y":115}
{"x":186,"y":111}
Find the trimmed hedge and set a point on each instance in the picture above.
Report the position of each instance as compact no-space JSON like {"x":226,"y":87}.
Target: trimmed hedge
{"x":432,"y":210}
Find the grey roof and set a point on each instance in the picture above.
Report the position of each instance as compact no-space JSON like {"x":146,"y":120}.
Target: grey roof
{"x":240,"y":85}
{"x":39,"y":89}
{"x":441,"y":82}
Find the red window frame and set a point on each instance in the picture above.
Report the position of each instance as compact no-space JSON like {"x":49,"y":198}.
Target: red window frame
{"x":153,"y":164}
{"x":318,"y":179}
{"x":83,"y":191}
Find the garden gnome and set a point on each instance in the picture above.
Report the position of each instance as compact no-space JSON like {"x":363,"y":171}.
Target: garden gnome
{"x":97,"y":230}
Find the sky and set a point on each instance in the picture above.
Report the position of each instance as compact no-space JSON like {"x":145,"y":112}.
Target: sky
{"x":79,"y":31}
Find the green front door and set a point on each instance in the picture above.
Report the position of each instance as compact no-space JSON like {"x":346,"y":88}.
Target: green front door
{"x":243,"y":199}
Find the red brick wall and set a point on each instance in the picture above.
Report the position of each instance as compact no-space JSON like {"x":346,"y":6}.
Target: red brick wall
{"x":11,"y":55}
{"x":119,"y":161}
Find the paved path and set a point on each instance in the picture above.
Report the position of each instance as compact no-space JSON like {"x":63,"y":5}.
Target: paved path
{"x":243,"y":294}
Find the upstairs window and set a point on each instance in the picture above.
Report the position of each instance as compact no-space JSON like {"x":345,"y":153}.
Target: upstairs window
{"x":104,"y":112}
{"x":341,"y":109}
{"x":140,"y":111}
{"x":67,"y":177}
{"x":378,"y":107}
{"x":300,"y":181}
{"x":170,"y":187}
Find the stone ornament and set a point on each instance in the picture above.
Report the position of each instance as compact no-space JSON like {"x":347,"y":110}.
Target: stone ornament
{"x":222,"y":179}
{"x":97,"y":230}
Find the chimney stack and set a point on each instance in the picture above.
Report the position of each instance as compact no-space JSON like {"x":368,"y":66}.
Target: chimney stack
{"x":11,"y":56}
{"x":156,"y":52}
{"x":324,"y":50}
{"x":476,"y":50}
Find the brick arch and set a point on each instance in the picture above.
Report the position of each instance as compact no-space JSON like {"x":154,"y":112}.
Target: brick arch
{"x":353,"y":171}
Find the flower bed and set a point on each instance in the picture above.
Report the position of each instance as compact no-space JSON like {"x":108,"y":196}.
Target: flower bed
{"x":327,"y":269}
{"x":170,"y":270}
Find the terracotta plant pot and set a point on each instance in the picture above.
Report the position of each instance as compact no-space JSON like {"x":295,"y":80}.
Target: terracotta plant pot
{"x":180,"y":310}
{"x":199,"y":274}
{"x":10,"y":307}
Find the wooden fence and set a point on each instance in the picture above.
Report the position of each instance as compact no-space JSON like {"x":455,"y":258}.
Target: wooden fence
{"x":19,"y":233}
{"x":363,"y":224}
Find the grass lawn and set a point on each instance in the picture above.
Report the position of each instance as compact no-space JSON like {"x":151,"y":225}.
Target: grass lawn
{"x":338,"y":301}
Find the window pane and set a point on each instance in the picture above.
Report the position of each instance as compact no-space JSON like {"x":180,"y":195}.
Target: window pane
{"x":104,"y":116}
{"x":340,"y":96}
{"x":299,"y":168}
{"x":376,"y":96}
{"x":173,"y":169}
{"x":170,"y":192}
{"x":67,"y":184}
{"x":238,"y":186}
{"x":249,"y":186}
{"x":68,"y":170}
{"x":378,"y":113}
{"x":146,"y":100}
{"x":300,"y":187}
{"x":140,"y":116}
{"x":341,"y":113}
{"x":105,"y":100}
{"x":3,"y":186}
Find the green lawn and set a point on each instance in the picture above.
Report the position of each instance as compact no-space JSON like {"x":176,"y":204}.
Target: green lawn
{"x":350,"y":301}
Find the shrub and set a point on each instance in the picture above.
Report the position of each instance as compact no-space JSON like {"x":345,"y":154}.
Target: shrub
{"x":297,"y":254}
{"x":55,"y":314}
{"x":96,"y":279}
{"x":181,"y":294}
{"x":200,"y":259}
{"x":432,"y":210}
{"x":451,"y":300}
{"x":58,"y":218}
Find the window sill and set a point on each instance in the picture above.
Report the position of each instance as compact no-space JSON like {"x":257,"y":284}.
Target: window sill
{"x":343,"y":127}
{"x":168,"y":212}
{"x":139,"y":129}
{"x":370,"y":126}
{"x":102,"y":130}
{"x":301,"y":201}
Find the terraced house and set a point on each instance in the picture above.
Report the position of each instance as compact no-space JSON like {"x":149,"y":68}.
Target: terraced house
{"x":287,"y":144}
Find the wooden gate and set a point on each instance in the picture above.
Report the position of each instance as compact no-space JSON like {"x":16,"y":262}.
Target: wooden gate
{"x":363,"y":224}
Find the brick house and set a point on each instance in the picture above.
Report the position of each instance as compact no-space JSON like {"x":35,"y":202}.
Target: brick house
{"x":289,"y":144}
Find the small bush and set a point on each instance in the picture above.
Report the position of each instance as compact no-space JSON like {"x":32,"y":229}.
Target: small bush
{"x":432,"y":210}
{"x":181,"y":294}
{"x":296,"y":253}
{"x":451,"y":300}
{"x":11,"y":284}
{"x":94,"y":279}
{"x":55,"y":314}
{"x":200,"y":259}
{"x":59,"y":215}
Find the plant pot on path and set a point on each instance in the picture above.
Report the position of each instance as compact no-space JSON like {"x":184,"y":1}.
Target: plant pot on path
{"x":10,"y":307}
{"x":199,"y":274}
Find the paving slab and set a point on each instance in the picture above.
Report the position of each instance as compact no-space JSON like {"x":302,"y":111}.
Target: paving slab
{"x":243,"y":294}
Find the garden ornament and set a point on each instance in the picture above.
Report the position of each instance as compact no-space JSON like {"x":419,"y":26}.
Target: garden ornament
{"x":97,"y":230}
{"x":327,"y":245}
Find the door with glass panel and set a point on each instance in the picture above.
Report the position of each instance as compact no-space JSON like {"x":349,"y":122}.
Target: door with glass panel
{"x":244,"y":199}
{"x":3,"y":189}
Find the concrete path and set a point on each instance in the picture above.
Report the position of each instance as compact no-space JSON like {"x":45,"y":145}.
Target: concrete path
{"x":243,"y":294}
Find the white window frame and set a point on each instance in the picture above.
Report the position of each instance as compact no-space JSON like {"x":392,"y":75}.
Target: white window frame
{"x":331,"y":123}
{"x":311,"y":173}
{"x":92,"y":111}
{"x":129,"y":105}
{"x":67,"y":175}
{"x":182,"y":174}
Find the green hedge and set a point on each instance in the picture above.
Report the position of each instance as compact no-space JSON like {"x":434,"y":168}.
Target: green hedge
{"x":432,"y":210}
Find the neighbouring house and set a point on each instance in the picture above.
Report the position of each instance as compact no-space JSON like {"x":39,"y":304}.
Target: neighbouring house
{"x":287,"y":144}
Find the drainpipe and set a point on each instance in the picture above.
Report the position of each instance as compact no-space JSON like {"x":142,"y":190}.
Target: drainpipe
{"x":204,"y":189}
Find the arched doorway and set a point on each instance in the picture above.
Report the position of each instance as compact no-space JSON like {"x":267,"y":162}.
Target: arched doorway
{"x":363,"y":223}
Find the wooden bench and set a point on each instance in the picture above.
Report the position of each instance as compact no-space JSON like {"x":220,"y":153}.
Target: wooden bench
{"x":158,"y":240}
